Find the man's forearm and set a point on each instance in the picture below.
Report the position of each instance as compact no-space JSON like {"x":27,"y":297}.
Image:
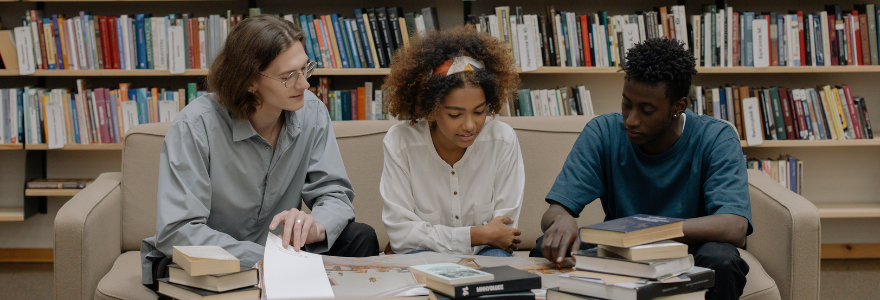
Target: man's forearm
{"x":556,"y":210}
{"x":724,"y":228}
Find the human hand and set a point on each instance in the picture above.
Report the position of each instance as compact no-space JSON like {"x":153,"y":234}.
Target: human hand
{"x":560,"y":238}
{"x":497,"y":234}
{"x":300,"y":228}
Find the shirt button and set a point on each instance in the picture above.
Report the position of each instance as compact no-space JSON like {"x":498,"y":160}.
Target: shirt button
{"x":427,"y":224}
{"x":453,"y":172}
{"x":267,"y":147}
{"x":484,"y":222}
{"x":455,"y":193}
{"x":456,"y":217}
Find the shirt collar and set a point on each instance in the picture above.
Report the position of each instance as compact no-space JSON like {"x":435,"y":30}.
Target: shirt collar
{"x":243,"y":129}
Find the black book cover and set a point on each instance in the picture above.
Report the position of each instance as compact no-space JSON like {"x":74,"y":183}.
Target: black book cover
{"x":377,"y":38}
{"x":385,"y":30}
{"x":393,"y":14}
{"x":545,"y":45}
{"x":507,"y":280}
{"x":524,"y":295}
{"x":868,"y":130}
{"x":702,"y":279}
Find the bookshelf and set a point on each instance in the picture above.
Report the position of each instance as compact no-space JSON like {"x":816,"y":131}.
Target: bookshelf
{"x":75,"y":147}
{"x":10,"y":146}
{"x":51,"y":192}
{"x":848,"y":210}
{"x":814,"y":143}
{"x":8,"y":214}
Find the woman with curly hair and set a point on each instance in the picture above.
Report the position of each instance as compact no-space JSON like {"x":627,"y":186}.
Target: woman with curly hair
{"x":453,"y":178}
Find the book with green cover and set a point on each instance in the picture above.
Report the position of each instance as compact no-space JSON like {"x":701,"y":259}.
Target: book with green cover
{"x":778,"y":121}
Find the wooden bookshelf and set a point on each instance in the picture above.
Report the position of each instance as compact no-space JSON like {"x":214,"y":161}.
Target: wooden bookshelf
{"x":51,"y":192}
{"x":11,"y":214}
{"x":814,"y":143}
{"x":11,"y":147}
{"x":849,"y":210}
{"x":850,"y":251}
{"x":75,"y":147}
{"x":27,"y":255}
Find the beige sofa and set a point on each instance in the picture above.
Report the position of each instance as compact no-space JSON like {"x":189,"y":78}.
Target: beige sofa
{"x":98,"y":232}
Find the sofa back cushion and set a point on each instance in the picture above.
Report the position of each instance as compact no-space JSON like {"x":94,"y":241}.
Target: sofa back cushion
{"x":140,"y":182}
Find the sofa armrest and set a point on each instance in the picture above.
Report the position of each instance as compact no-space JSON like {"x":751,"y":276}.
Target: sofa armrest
{"x":87,"y":237}
{"x":786,"y":237}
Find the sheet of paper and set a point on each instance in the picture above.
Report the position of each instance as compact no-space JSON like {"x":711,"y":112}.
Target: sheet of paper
{"x":55,"y":125}
{"x":293,"y":275}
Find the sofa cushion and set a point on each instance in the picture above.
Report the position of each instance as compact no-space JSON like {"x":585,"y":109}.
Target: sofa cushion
{"x":759,"y":285}
{"x":140,"y":182}
{"x":124,"y":280}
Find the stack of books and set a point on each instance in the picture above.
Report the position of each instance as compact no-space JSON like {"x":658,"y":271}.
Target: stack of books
{"x":636,"y":261}
{"x":208,"y":272}
{"x":454,"y":281}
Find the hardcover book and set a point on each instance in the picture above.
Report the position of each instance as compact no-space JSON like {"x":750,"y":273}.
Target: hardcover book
{"x":633,"y":230}
{"x":507,"y":279}
{"x":450,"y":273}
{"x":599,"y":260}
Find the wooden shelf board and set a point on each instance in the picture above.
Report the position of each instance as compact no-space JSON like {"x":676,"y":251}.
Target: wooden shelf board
{"x":27,"y":255}
{"x":11,"y":147}
{"x":75,"y":147}
{"x":360,"y":71}
{"x":814,"y":143}
{"x":848,"y":210}
{"x":51,"y":192}
{"x":11,"y":214}
{"x":850,"y":251}
{"x":112,"y":0}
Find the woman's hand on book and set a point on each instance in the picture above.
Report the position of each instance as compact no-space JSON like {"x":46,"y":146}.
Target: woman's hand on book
{"x":300,"y":228}
{"x":497,"y":234}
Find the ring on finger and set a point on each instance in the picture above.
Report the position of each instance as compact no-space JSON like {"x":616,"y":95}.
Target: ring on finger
{"x":299,"y":221}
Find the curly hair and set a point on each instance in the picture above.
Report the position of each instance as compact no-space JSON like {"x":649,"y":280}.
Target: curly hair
{"x":413,"y":93}
{"x":661,"y":60}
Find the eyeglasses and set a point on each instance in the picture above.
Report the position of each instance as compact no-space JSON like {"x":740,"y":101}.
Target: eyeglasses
{"x":291,"y":78}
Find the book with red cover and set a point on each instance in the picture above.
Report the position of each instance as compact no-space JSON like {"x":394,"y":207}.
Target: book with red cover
{"x":798,"y":105}
{"x":114,"y":42}
{"x":832,"y":41}
{"x":865,"y":42}
{"x":853,"y":113}
{"x":785,"y":103}
{"x":194,"y":41}
{"x":189,"y":43}
{"x":585,"y":38}
{"x":42,"y":39}
{"x":774,"y":56}
{"x":101,"y":110}
{"x":737,"y":107}
{"x":736,"y":40}
{"x":800,"y":18}
{"x":353,"y":96}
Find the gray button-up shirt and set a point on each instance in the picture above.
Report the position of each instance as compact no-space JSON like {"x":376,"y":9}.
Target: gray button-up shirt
{"x":220,"y":182}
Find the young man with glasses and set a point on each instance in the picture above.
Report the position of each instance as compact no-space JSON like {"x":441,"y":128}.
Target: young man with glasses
{"x":239,"y":162}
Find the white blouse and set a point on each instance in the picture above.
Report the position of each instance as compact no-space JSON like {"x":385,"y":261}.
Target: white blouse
{"x":430,"y":205}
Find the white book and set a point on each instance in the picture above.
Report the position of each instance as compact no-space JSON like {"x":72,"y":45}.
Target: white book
{"x":370,"y":113}
{"x":617,"y":44}
{"x":96,"y":119}
{"x":525,"y":43}
{"x":420,"y":24}
{"x":586,"y":100}
{"x":683,"y":25}
{"x":129,"y":115}
{"x":695,"y":24}
{"x":544,"y":100}
{"x":553,"y":103}
{"x":853,"y":45}
{"x":707,"y":40}
{"x":451,"y":273}
{"x":377,"y":105}
{"x":783,"y":172}
{"x":719,"y":38}
{"x":24,"y":46}
{"x":536,"y":108}
{"x":80,"y":47}
{"x":71,"y":45}
{"x":35,"y":40}
{"x":81,"y":118}
{"x":514,"y":41}
{"x":731,"y":115}
{"x":203,"y":59}
{"x":642,"y":34}
{"x":728,"y":37}
{"x":55,"y":124}
{"x":630,"y":36}
{"x":168,"y":109}
{"x":601,"y":60}
{"x":716,"y":104}
{"x":162,"y":41}
{"x":752,"y":119}
{"x":493,"y":27}
{"x":576,"y":52}
{"x":794,"y":52}
{"x":698,"y":108}
{"x":826,"y":46}
{"x":536,"y":39}
{"x":560,"y":41}
{"x":92,"y":46}
{"x":4,"y":116}
{"x":677,"y":19}
{"x":132,"y":41}
{"x":13,"y":116}
{"x":176,"y":47}
{"x":34,"y":98}
{"x":760,"y":48}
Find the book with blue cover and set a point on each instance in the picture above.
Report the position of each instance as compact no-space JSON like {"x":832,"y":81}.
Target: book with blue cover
{"x":632,"y":231}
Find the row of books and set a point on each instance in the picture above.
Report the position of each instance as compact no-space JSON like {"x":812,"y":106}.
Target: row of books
{"x":719,"y":37}
{"x":62,"y":116}
{"x":779,"y":113}
{"x":562,"y":101}
{"x":208,"y":272}
{"x":787,"y":170}
{"x":634,"y":260}
{"x":724,"y":37}
{"x":361,"y":103}
{"x":182,"y":41}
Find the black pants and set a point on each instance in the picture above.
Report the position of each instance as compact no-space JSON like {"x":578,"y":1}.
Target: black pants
{"x":356,"y":240}
{"x":730,"y":269}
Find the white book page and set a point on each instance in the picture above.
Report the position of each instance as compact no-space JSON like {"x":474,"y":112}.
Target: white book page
{"x":290,"y":274}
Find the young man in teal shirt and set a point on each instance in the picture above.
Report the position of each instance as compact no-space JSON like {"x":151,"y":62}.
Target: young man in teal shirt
{"x":657,"y":157}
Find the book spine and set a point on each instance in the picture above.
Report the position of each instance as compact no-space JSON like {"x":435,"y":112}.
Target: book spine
{"x":377,"y":38}
{"x":339,"y":40}
{"x":698,"y":281}
{"x":864,"y":111}
{"x":385,"y":29}
{"x":56,"y":185}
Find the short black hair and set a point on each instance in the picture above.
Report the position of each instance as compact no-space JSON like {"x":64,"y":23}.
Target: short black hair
{"x":661,"y":60}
